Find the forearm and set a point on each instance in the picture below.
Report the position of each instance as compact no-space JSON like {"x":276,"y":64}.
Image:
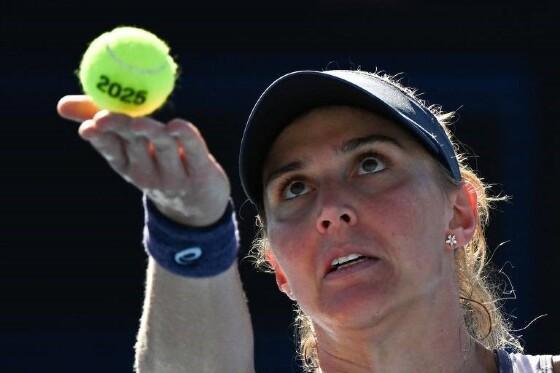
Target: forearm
{"x":197,"y":322}
{"x":194,"y":324}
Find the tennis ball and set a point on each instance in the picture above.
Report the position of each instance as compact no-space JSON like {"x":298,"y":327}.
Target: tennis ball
{"x":128,"y":70}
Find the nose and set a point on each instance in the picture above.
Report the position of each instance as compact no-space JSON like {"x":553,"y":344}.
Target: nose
{"x":335,"y":216}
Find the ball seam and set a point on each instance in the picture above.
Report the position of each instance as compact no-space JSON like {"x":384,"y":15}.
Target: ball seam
{"x":136,"y":69}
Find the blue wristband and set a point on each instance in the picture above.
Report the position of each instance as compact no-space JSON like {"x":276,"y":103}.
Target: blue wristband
{"x":190,"y":251}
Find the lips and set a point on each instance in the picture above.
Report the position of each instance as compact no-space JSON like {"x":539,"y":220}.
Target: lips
{"x":346,"y":261}
{"x":344,"y":258}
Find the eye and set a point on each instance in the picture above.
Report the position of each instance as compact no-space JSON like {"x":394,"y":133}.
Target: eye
{"x":371,"y":164}
{"x":294,"y":188}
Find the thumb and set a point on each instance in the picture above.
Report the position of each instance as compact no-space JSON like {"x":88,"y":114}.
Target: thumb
{"x":76,"y":107}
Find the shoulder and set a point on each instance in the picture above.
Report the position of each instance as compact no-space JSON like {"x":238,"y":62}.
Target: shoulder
{"x":556,"y":363}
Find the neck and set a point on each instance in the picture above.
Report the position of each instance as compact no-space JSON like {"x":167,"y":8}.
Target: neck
{"x":427,"y":337}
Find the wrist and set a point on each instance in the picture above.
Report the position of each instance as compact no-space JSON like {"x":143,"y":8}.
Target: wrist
{"x":187,"y":250}
{"x":200,"y":219}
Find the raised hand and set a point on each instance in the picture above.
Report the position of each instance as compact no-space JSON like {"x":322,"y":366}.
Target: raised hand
{"x":169,"y":163}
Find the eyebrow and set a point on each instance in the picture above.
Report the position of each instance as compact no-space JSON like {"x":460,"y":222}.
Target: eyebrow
{"x":359,"y":142}
{"x":346,"y":147}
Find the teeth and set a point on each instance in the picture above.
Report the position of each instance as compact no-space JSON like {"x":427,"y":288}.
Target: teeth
{"x":344,"y":259}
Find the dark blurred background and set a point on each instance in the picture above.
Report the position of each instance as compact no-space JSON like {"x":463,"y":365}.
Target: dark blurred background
{"x":72,"y":263}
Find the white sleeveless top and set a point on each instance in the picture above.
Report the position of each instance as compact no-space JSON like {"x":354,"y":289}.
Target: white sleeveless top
{"x":519,"y":363}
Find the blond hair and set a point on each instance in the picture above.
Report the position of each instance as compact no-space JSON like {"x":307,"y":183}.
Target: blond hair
{"x":479,"y":293}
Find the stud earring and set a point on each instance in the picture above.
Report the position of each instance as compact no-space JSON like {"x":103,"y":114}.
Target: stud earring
{"x":451,"y":241}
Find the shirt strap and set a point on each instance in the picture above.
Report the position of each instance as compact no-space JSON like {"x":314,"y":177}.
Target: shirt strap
{"x":504,"y":362}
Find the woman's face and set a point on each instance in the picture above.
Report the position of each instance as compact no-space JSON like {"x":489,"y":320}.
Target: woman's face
{"x":345,"y":185}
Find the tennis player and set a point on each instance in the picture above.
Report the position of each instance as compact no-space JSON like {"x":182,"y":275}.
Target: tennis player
{"x":369,"y":217}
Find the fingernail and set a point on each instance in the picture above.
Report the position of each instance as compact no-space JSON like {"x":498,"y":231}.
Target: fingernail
{"x":101,"y":114}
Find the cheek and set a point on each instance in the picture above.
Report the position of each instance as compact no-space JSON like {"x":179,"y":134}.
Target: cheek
{"x":409,"y":218}
{"x":292,"y":247}
{"x":289,"y":243}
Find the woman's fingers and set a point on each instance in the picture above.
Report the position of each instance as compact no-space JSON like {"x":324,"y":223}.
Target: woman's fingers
{"x":146,"y":152}
{"x":110,"y":135}
{"x":191,"y":143}
{"x":106,"y":121}
{"x":165,"y":149}
{"x":110,"y":146}
{"x":170,"y":163}
{"x":102,"y":122}
{"x":76,"y":107}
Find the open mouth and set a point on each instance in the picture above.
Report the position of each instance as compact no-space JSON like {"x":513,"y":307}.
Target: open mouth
{"x":343,"y":262}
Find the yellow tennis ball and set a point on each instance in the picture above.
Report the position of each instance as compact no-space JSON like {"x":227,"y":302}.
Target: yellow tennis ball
{"x":128,"y":70}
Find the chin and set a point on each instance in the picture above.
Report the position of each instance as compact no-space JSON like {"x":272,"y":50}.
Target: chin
{"x":358,"y":306}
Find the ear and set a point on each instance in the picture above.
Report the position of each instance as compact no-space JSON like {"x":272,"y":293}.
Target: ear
{"x":281,"y":279}
{"x":465,"y":214}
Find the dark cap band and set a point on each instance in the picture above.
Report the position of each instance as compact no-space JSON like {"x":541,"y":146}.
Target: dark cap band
{"x":296,"y":93}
